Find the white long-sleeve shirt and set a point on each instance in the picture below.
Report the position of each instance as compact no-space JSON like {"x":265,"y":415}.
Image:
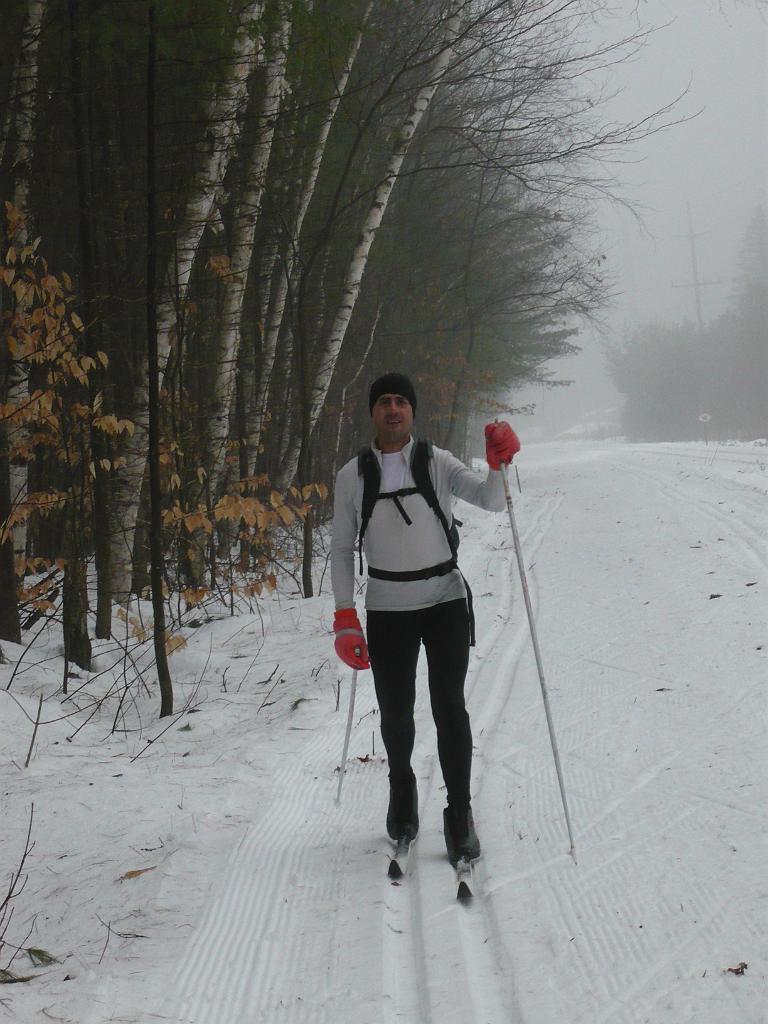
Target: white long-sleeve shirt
{"x":391,"y":544}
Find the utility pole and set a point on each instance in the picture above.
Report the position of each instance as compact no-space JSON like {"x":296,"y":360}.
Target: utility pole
{"x":696,"y":283}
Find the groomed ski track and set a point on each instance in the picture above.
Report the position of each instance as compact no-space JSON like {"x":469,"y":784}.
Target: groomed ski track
{"x":302,"y":925}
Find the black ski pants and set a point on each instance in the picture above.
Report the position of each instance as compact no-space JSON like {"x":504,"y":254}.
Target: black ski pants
{"x":394,"y":640}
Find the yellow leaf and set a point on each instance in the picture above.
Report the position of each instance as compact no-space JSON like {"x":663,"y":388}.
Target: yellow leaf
{"x":135,"y":874}
{"x":105,"y":464}
{"x":175,"y":480}
{"x":139,"y":631}
{"x":77,"y":323}
{"x":106,"y":423}
{"x":175,"y":642}
{"x":200,"y":474}
{"x":264,"y":519}
{"x":219,"y":266}
{"x":103,"y":358}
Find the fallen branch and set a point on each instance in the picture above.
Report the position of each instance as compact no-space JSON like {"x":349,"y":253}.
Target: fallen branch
{"x":15,"y":889}
{"x":34,"y":731}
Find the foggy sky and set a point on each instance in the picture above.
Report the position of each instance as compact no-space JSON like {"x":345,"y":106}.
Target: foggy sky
{"x":717,"y":162}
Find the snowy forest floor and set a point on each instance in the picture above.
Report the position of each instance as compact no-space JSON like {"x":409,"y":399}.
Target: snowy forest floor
{"x":209,"y":878}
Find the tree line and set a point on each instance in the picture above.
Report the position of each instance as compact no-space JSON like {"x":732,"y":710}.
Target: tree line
{"x":683,"y":382}
{"x":221,"y":220}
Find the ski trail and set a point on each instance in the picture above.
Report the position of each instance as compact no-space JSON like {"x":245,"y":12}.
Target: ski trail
{"x":749,"y":535}
{"x":460,"y":966}
{"x":618,"y":937}
{"x":404,"y":962}
{"x":289,"y":865}
{"x":612,"y":935}
{"x":249,"y":954}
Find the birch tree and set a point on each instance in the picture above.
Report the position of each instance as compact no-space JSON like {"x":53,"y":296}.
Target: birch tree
{"x":246,"y":218}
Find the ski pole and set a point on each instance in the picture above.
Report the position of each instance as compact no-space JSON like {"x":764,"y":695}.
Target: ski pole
{"x":539,"y":665}
{"x":350,"y":715}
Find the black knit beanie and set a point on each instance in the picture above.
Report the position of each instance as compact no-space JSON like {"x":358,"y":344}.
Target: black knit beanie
{"x":392,"y":384}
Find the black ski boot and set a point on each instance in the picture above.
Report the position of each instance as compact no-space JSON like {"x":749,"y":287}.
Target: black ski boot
{"x":403,"y":812}
{"x":461,"y":840}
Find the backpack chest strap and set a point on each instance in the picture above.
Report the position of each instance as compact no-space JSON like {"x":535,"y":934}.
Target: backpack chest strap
{"x":396,"y":496}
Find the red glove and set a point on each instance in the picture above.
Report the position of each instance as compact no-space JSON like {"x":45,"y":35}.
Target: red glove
{"x":350,"y":640}
{"x":501,"y":444}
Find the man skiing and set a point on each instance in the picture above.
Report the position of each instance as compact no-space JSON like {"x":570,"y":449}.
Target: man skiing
{"x":395,"y":500}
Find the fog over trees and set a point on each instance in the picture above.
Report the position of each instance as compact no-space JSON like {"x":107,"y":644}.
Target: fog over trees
{"x":692,"y":194}
{"x":688,"y":381}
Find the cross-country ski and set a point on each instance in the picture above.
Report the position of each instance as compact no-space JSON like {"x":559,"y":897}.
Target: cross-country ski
{"x":464,"y":884}
{"x":398,"y":864}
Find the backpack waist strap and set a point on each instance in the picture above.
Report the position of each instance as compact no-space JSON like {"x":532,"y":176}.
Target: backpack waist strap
{"x":427,"y":574}
{"x":414,"y":574}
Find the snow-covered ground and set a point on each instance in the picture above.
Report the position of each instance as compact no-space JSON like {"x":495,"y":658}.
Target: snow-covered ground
{"x":209,"y":877}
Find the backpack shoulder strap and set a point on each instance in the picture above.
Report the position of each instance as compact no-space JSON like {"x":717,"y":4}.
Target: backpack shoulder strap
{"x":368,"y":468}
{"x":422,"y":453}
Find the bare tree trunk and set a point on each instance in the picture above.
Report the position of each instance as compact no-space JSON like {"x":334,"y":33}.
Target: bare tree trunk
{"x":459,"y":394}
{"x":9,"y":607}
{"x":350,"y":383}
{"x":20,"y":123}
{"x":99,"y":448}
{"x":330,"y":351}
{"x":77,"y":643}
{"x":241,"y":249}
{"x":155,"y":535}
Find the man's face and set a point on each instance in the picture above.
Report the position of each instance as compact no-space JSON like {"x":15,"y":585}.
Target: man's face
{"x":392,"y":420}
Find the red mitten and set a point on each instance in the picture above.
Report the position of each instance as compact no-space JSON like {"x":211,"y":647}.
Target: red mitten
{"x":350,"y":640}
{"x":501,"y":444}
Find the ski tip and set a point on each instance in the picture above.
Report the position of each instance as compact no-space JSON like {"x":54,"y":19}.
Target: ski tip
{"x":395,"y":871}
{"x":463,"y":893}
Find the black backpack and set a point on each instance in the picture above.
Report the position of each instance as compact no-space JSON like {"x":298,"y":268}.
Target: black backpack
{"x":368,"y":468}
